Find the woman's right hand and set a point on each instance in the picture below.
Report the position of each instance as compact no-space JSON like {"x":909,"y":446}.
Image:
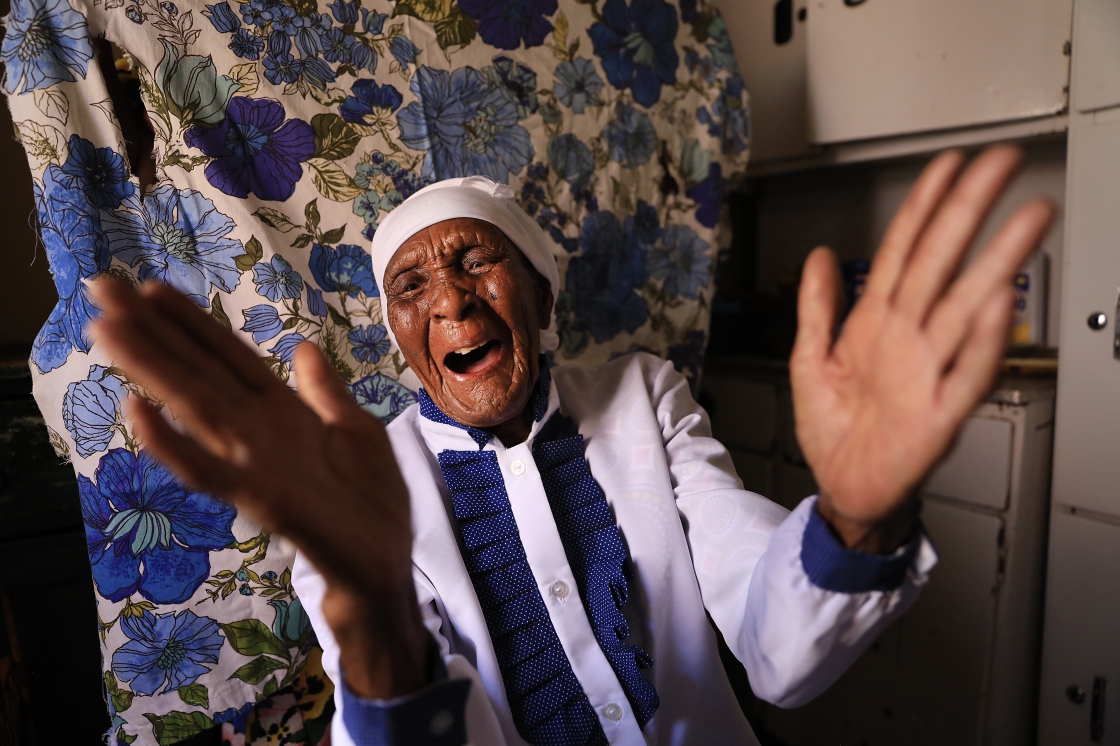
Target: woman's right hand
{"x":315,"y":467}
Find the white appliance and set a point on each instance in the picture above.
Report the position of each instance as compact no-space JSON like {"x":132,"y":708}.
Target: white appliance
{"x":962,"y":666}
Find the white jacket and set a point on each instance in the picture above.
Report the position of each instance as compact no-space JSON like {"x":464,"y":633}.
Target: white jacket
{"x":699,"y":543}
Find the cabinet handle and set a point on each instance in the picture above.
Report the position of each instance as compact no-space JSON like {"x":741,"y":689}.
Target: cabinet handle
{"x":1096,"y":715}
{"x":783,"y":22}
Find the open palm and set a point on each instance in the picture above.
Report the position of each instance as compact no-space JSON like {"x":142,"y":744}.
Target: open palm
{"x":877,"y":406}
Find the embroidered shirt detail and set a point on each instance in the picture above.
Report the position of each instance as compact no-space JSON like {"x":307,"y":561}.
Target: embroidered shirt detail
{"x":548,"y":703}
{"x":595,"y":552}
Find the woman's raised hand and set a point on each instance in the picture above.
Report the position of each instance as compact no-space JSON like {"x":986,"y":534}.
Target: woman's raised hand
{"x":314,"y":467}
{"x":877,"y":406}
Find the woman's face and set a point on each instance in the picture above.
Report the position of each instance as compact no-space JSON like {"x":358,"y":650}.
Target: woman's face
{"x":467,"y":309}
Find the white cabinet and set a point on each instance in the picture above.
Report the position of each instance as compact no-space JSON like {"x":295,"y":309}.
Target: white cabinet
{"x":1097,"y":62}
{"x":1086,"y":467}
{"x":961,"y":667}
{"x":866,"y":79}
{"x":1081,"y":642}
{"x":978,"y":470}
{"x":891,"y":67}
{"x":925,"y":679}
{"x":1082,"y":652}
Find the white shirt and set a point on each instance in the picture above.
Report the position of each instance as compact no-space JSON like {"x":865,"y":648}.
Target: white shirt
{"x":698,"y":542}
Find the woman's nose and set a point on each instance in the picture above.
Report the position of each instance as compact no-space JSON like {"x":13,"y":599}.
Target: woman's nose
{"x":453,"y":302}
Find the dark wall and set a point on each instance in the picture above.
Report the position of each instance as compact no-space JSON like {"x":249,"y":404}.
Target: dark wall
{"x":26,"y":290}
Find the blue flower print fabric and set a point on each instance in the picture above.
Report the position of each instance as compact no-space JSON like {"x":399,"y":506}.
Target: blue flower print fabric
{"x":283,"y":133}
{"x":166,"y":651}
{"x":44,"y":43}
{"x":147,"y":533}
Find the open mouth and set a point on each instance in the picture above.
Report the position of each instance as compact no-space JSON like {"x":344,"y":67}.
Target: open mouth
{"x":473,"y":359}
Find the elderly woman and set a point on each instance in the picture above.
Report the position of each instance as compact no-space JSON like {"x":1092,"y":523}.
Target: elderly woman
{"x":532,"y":556}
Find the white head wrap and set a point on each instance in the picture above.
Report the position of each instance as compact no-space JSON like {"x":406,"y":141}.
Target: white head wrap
{"x":469,"y":197}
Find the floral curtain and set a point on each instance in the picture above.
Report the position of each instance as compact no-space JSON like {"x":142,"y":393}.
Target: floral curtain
{"x":283,"y":131}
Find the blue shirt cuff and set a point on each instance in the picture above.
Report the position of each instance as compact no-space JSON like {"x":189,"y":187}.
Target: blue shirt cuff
{"x":433,"y":716}
{"x":832,"y":566}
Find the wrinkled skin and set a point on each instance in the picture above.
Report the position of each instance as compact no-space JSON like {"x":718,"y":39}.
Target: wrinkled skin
{"x":458,"y":284}
{"x":875,"y":407}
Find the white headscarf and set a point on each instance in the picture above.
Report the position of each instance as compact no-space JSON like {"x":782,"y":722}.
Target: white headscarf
{"x":470,"y":197}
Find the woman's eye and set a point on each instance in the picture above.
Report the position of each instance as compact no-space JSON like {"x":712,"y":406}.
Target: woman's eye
{"x":405,"y":286}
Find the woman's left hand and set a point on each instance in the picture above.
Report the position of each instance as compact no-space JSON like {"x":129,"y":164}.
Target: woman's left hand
{"x":878,"y":406}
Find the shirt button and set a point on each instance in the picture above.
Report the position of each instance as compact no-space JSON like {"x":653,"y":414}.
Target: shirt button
{"x":559,"y":589}
{"x":517,"y":467}
{"x":612,"y":712}
{"x":441,"y":723}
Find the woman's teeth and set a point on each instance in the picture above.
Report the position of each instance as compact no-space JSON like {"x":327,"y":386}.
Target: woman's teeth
{"x":474,"y":358}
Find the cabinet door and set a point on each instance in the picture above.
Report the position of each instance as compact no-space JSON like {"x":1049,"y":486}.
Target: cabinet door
{"x":891,"y":67}
{"x":978,"y":469}
{"x":1086,"y":469}
{"x":1097,"y":65}
{"x":924,"y":682}
{"x":1081,"y":634}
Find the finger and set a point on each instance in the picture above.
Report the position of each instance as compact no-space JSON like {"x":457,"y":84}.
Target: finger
{"x":320,"y":386}
{"x":943,"y":245}
{"x":139,"y":322}
{"x":203,"y":407}
{"x":149,"y":365}
{"x":191,"y":462}
{"x":993,"y":270}
{"x":817,"y":307}
{"x":224,"y":345}
{"x":909,"y":222}
{"x":975,"y":367}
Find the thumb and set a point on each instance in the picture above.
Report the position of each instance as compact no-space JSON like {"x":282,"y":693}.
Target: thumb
{"x":817,"y":306}
{"x":320,"y":386}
